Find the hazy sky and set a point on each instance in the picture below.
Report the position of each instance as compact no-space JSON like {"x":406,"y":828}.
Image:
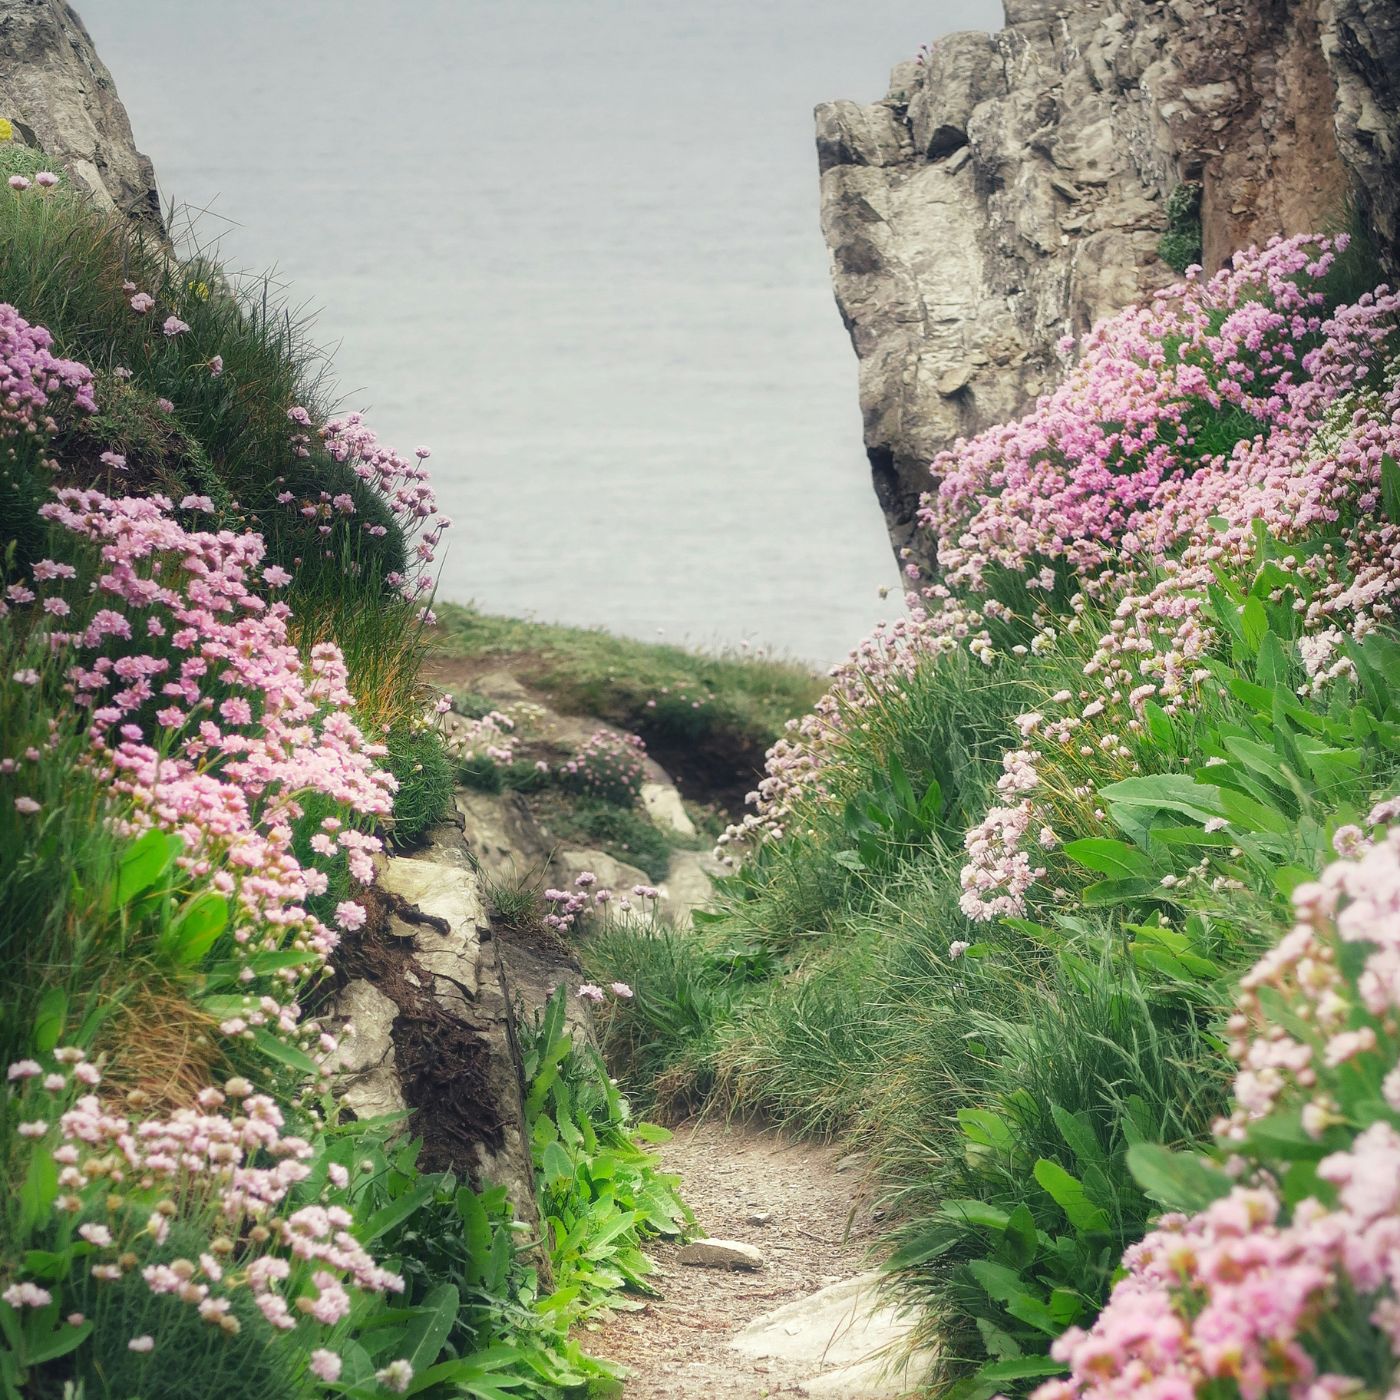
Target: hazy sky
{"x":573,"y":246}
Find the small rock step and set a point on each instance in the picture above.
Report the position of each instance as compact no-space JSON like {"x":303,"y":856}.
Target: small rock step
{"x":721,"y":1254}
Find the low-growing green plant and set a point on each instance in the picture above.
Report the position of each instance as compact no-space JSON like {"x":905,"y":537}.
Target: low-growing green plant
{"x":601,"y":1194}
{"x":418,"y":760}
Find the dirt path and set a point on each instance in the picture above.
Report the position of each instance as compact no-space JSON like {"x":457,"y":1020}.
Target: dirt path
{"x":676,"y":1346}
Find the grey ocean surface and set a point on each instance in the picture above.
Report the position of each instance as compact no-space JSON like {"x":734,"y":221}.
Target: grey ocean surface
{"x":574,"y":248}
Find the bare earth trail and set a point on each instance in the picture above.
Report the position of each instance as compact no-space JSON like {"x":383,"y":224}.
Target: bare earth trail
{"x":677,"y":1347}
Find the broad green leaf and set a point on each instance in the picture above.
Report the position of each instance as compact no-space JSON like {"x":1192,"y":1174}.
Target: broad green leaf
{"x":290,"y":1055}
{"x":397,"y":1210}
{"x":50,"y":1019}
{"x":1166,"y":792}
{"x":985,"y":1128}
{"x":1254,"y":623}
{"x":1068,"y":1193}
{"x":1115,"y":859}
{"x":1177,"y":1180}
{"x":1105,"y":892}
{"x":1390,"y":489}
{"x":198,"y":927}
{"x":556,"y":1165}
{"x":142,"y":863}
{"x":433,"y":1320}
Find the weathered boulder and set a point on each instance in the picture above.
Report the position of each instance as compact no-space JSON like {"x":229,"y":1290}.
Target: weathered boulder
{"x":60,"y":96}
{"x":1011,"y":188}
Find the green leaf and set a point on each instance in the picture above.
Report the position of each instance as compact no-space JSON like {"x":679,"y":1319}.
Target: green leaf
{"x":290,"y":1055}
{"x":1068,"y":1193}
{"x":50,"y":1019}
{"x":39,"y":1191}
{"x":197,"y":928}
{"x":1104,"y":892}
{"x":144,"y":862}
{"x":1166,"y":792}
{"x":1254,"y":623}
{"x":57,"y":1344}
{"x":1177,"y":1180}
{"x":1019,"y":1368}
{"x":1079,"y":1136}
{"x":1004,"y":1286}
{"x":1390,"y":489}
{"x":556,"y":1165}
{"x":1115,"y":859}
{"x":651,"y":1132}
{"x":981,"y":1214}
{"x":397,"y":1210}
{"x":983,"y":1127}
{"x":433,"y":1320}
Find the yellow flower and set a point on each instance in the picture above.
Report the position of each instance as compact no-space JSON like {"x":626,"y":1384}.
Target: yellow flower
{"x":200,"y":289}
{"x":7,"y":132}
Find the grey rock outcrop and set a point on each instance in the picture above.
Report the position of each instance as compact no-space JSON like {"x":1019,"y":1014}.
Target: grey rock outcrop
{"x":60,"y":96}
{"x":1011,"y":188}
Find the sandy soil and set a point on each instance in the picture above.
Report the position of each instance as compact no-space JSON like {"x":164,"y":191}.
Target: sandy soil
{"x":819,"y":1233}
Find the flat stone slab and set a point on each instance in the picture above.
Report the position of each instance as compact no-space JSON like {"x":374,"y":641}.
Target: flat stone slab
{"x":450,"y":893}
{"x":846,"y":1329}
{"x":662,"y":803}
{"x":721,"y":1254}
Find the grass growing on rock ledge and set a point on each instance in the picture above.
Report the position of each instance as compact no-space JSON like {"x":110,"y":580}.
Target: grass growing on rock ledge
{"x":700,"y":715}
{"x":1074,"y":901}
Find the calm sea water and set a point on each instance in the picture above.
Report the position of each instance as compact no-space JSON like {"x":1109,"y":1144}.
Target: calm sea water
{"x":573,"y":247}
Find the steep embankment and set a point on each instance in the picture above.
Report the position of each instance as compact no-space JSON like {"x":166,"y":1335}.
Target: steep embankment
{"x":1014,"y":188}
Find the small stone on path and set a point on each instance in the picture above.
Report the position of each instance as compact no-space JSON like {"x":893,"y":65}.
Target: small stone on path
{"x":721,"y":1254}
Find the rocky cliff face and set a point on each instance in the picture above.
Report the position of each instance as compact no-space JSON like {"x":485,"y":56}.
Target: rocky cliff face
{"x":1012,"y":188}
{"x":60,"y":96}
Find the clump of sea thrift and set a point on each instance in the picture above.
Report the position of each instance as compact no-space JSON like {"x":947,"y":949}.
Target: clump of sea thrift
{"x":227,"y":1162}
{"x":1220,"y":406}
{"x":205,"y":716}
{"x":1251,"y":1294}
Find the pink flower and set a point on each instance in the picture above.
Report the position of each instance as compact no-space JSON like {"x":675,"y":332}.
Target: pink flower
{"x":115,"y":460}
{"x":142,"y":302}
{"x":350,"y":915}
{"x":143,"y":1343}
{"x":26,"y":1295}
{"x":18,"y":182}
{"x":621,"y":989}
{"x":590,"y":992}
{"x":174,"y":326}
{"x":216,"y":366}
{"x":325,"y":1365}
{"x":46,"y":178}
{"x":26,"y":805}
{"x":275,"y":576}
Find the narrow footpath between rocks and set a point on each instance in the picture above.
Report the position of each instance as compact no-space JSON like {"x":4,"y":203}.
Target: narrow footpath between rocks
{"x":806,"y":1323}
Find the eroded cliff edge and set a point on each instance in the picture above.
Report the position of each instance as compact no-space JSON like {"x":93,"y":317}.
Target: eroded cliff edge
{"x":1012,"y":188}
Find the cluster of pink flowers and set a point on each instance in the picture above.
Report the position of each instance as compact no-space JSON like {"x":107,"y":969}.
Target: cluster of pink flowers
{"x":490,"y":737}
{"x":204,"y":715}
{"x":1103,"y":490}
{"x":607,"y":764}
{"x":568,"y":908}
{"x":1302,"y":1303}
{"x":401,"y":482}
{"x":226,"y":1162}
{"x":31,"y":375}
